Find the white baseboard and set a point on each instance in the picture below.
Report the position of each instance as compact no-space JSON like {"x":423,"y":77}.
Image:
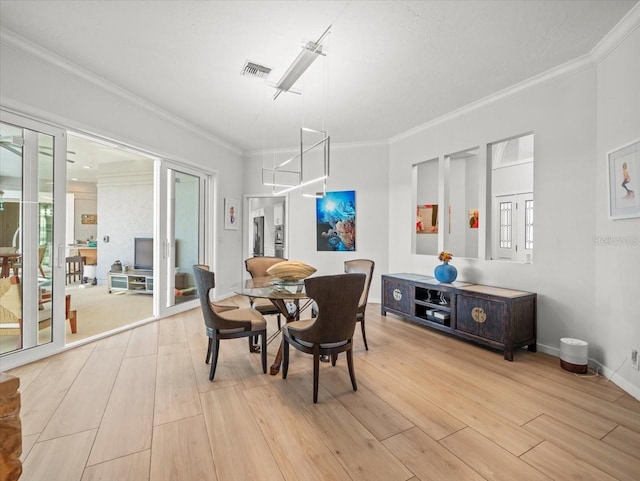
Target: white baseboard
{"x":610,"y":374}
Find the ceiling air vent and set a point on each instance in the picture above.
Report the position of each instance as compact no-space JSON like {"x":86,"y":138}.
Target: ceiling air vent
{"x":252,"y":69}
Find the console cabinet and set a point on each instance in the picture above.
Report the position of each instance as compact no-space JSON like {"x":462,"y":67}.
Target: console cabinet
{"x":501,"y":318}
{"x":132,"y":281}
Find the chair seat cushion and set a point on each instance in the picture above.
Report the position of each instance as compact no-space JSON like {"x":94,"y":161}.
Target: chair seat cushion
{"x":258,"y":322}
{"x":220,"y":308}
{"x":265,"y":306}
{"x":295,"y":331}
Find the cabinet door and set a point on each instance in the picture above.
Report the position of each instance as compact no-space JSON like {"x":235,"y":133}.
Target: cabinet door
{"x":118,"y":282}
{"x":397,"y":294}
{"x":481,"y":317}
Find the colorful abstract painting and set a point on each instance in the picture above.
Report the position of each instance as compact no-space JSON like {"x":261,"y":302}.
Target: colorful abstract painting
{"x":336,"y":221}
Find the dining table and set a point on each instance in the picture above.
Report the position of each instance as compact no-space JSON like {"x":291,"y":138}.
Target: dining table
{"x":288,"y":296}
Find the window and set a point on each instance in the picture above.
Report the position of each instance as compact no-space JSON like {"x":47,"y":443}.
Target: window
{"x":511,"y":230}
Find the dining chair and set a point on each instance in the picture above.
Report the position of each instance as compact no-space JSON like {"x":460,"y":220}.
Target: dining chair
{"x":11,"y":310}
{"x":227,"y":324}
{"x":257,"y":267}
{"x":332,"y":331}
{"x":216,"y":306}
{"x":75,"y":269}
{"x":362,"y":266}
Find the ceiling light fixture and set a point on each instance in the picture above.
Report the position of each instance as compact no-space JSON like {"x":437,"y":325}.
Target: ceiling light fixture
{"x":302,"y":62}
{"x":311,"y":164}
{"x":303,"y":169}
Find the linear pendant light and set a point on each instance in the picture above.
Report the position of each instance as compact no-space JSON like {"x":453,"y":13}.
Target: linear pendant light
{"x":302,"y":62}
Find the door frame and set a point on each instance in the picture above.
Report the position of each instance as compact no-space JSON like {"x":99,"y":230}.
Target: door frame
{"x":29,"y":246}
{"x":248,"y":226}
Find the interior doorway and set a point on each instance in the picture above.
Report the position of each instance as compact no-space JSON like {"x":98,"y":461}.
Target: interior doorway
{"x":266,"y":226}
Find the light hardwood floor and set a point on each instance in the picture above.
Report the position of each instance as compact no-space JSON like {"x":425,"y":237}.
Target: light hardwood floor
{"x":139,"y":406}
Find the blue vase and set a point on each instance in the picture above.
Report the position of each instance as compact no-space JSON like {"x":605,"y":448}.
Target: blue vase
{"x":445,"y":273}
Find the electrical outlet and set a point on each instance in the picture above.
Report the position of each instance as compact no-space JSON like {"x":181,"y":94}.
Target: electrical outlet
{"x":634,"y":359}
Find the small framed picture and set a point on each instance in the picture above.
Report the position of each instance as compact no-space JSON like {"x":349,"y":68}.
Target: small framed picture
{"x":89,"y":218}
{"x":624,"y":181}
{"x":231,"y":214}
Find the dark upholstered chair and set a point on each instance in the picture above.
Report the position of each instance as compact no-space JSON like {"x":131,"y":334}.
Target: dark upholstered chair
{"x":361,"y":266}
{"x":257,"y":267}
{"x":227,"y":324}
{"x":332,"y":331}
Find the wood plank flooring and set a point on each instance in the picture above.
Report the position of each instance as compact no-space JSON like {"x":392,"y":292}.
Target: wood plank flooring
{"x":138,"y":406}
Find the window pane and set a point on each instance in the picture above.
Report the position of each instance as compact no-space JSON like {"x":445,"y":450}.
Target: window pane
{"x":505,"y":225}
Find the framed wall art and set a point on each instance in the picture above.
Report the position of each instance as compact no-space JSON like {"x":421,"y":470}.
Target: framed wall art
{"x":231,"y":214}
{"x":624,"y":181}
{"x":336,"y":221}
{"x":427,"y":219}
{"x":89,"y":218}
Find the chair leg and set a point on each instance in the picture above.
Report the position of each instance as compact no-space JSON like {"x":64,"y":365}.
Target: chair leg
{"x":352,"y":373}
{"x":285,"y":357}
{"x":364,"y":336}
{"x":73,"y":321}
{"x":251,"y":339}
{"x":264,"y":351}
{"x":214,"y":358}
{"x":206,"y":361}
{"x":334,"y":358}
{"x":278,"y":320}
{"x":316,"y":373}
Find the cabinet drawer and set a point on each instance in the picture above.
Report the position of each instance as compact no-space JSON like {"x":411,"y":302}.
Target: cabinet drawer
{"x":481,"y":317}
{"x":397,"y":295}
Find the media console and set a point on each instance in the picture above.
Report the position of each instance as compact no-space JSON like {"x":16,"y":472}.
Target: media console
{"x":140,"y":281}
{"x":501,"y":318}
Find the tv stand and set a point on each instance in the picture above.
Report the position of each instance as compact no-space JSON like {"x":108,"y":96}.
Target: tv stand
{"x":500,"y":318}
{"x":135,"y":280}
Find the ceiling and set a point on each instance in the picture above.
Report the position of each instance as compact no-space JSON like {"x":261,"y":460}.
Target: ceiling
{"x":390,"y":65}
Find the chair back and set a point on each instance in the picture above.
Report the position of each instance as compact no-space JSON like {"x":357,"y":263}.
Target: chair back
{"x":361,"y":266}
{"x":205,"y":281}
{"x":257,"y":266}
{"x":337,"y":298}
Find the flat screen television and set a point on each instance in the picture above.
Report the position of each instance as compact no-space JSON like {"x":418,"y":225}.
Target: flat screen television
{"x":143,"y":253}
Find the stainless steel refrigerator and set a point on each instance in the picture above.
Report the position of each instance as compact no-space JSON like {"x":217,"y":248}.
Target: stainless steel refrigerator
{"x":258,"y":236}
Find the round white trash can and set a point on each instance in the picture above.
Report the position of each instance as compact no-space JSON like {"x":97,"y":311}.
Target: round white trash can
{"x":574,"y":355}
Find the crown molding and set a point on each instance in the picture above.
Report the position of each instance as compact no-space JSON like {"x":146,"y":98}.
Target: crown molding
{"x":21,"y":44}
{"x":334,"y":146}
{"x":551,"y":74}
{"x":625,"y":27}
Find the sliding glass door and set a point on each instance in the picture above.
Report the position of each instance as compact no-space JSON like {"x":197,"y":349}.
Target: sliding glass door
{"x":32,"y":302}
{"x":182,"y":234}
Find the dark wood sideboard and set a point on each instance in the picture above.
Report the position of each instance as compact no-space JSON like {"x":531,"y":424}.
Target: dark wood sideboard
{"x":501,"y":318}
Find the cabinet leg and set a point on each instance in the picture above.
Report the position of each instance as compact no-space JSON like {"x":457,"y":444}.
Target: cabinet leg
{"x":508,"y":355}
{"x":532,"y":347}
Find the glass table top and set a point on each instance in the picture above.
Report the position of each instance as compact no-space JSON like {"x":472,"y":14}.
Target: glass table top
{"x":270,"y":288}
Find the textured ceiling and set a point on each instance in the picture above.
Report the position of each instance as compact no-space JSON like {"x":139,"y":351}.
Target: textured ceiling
{"x":390,"y":65}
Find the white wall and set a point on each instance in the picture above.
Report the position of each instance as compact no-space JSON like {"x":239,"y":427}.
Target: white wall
{"x":359,"y":167}
{"x":51,"y":91}
{"x":125,"y":211}
{"x":84,"y":204}
{"x":562,"y":114}
{"x":586,"y":268}
{"x":615,"y":322}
